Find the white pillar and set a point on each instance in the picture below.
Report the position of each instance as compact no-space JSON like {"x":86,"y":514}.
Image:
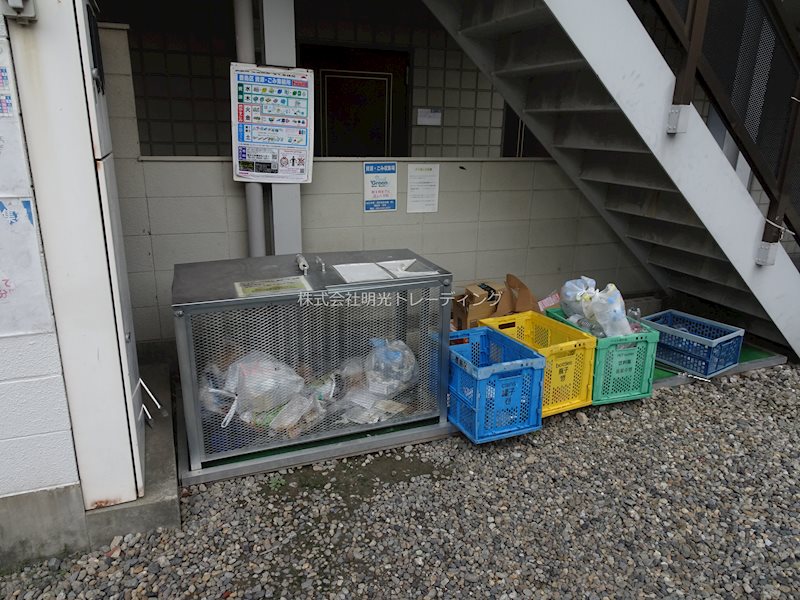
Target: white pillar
{"x":279,"y":50}
{"x":47,"y":57}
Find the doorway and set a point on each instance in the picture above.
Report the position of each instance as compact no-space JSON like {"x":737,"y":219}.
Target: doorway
{"x":361,"y":105}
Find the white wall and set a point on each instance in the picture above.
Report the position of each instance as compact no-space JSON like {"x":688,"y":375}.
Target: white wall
{"x":36,"y":449}
{"x":496,"y":216}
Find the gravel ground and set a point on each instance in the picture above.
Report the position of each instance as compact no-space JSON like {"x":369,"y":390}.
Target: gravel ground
{"x":693,"y":493}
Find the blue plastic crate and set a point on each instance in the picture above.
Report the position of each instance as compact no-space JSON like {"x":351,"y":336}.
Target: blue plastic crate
{"x":696,"y":345}
{"x":495,"y":385}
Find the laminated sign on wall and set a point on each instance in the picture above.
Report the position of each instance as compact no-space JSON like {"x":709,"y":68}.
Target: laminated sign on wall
{"x":380,"y":186}
{"x":272,"y":119}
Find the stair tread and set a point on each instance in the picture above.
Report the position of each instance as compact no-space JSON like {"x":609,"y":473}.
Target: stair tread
{"x":641,"y":211}
{"x":711,"y":291}
{"x":713,"y":270}
{"x":574,"y":143}
{"x":507,"y":24}
{"x":639,"y":180}
{"x":526,"y":70}
{"x":708,"y":252}
{"x":573,"y":108}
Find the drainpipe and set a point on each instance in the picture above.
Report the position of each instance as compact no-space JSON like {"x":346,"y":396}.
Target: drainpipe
{"x":254,"y":192}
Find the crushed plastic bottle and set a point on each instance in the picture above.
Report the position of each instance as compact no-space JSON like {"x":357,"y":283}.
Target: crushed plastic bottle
{"x":588,"y":325}
{"x":609,"y":310}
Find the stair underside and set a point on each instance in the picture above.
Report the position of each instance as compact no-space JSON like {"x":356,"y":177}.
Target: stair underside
{"x":534,"y":65}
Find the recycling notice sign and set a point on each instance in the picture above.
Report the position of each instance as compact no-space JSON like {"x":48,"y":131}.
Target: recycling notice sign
{"x":272,"y":123}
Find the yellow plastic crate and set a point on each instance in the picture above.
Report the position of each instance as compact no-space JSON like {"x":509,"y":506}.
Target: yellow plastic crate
{"x":568,"y":372}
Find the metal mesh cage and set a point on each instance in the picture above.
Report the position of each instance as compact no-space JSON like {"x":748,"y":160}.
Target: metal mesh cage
{"x":757,"y":71}
{"x":311,"y":342}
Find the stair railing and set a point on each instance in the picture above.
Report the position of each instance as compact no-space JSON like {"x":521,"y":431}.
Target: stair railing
{"x":749,"y":63}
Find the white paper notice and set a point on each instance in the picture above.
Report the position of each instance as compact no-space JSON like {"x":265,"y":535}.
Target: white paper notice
{"x":355,"y":272}
{"x":423,"y":188}
{"x":429,"y":116}
{"x":272,"y":120}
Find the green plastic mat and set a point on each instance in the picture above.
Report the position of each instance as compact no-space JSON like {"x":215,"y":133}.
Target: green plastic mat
{"x":749,"y":354}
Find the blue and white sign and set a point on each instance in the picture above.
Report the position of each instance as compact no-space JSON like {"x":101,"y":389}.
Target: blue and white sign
{"x":380,"y":186}
{"x":272,"y":121}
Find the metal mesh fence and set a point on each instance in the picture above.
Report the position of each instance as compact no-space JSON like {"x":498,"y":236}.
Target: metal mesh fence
{"x":306,"y":367}
{"x":749,"y":59}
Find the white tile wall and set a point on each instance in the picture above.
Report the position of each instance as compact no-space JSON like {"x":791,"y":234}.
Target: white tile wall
{"x":146,"y":324}
{"x":497,"y":222}
{"x":135,"y":219}
{"x":195,"y":214}
{"x":169,"y":250}
{"x":143,"y":289}
{"x":495,"y":216}
{"x":494,"y":264}
{"x":503,"y":235}
{"x":449,"y":237}
{"x":49,"y":462}
{"x":29,"y":356}
{"x":333,"y":239}
{"x":44,"y":402}
{"x":183,"y":179}
{"x":393,"y":236}
{"x":480,"y":232}
{"x":512,"y":175}
{"x":441,"y":76}
{"x":119,"y":96}
{"x":455,"y":207}
{"x":501,"y":206}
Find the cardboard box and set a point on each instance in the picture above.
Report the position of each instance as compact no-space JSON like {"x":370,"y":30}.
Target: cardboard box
{"x":491,"y":299}
{"x":479,"y":301}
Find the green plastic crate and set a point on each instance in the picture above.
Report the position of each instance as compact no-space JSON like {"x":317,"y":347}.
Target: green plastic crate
{"x":623,"y":365}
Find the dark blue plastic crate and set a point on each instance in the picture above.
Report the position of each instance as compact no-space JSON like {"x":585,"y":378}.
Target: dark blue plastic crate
{"x":696,"y":345}
{"x":495,"y":385}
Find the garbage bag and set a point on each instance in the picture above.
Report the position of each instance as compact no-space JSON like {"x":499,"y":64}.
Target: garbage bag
{"x":390,"y":368}
{"x":576,"y":295}
{"x":299,"y":410}
{"x":609,"y":310}
{"x":261,"y":383}
{"x":352,"y":372}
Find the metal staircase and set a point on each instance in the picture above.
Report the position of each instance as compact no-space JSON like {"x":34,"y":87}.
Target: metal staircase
{"x":588,"y":81}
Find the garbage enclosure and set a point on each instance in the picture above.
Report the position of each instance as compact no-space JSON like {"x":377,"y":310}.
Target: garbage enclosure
{"x":279,"y":361}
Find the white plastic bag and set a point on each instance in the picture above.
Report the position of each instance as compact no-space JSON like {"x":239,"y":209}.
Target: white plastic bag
{"x":609,"y":310}
{"x":261,"y":384}
{"x":299,"y":408}
{"x":576,"y":295}
{"x":390,"y":368}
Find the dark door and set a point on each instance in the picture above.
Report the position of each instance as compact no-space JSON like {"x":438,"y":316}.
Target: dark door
{"x":361,"y":105}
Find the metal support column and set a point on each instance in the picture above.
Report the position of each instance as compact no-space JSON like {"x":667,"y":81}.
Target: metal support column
{"x":279,"y":50}
{"x":254,"y":192}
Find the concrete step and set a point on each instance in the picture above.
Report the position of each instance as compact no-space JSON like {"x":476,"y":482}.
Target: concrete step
{"x":159,"y":507}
